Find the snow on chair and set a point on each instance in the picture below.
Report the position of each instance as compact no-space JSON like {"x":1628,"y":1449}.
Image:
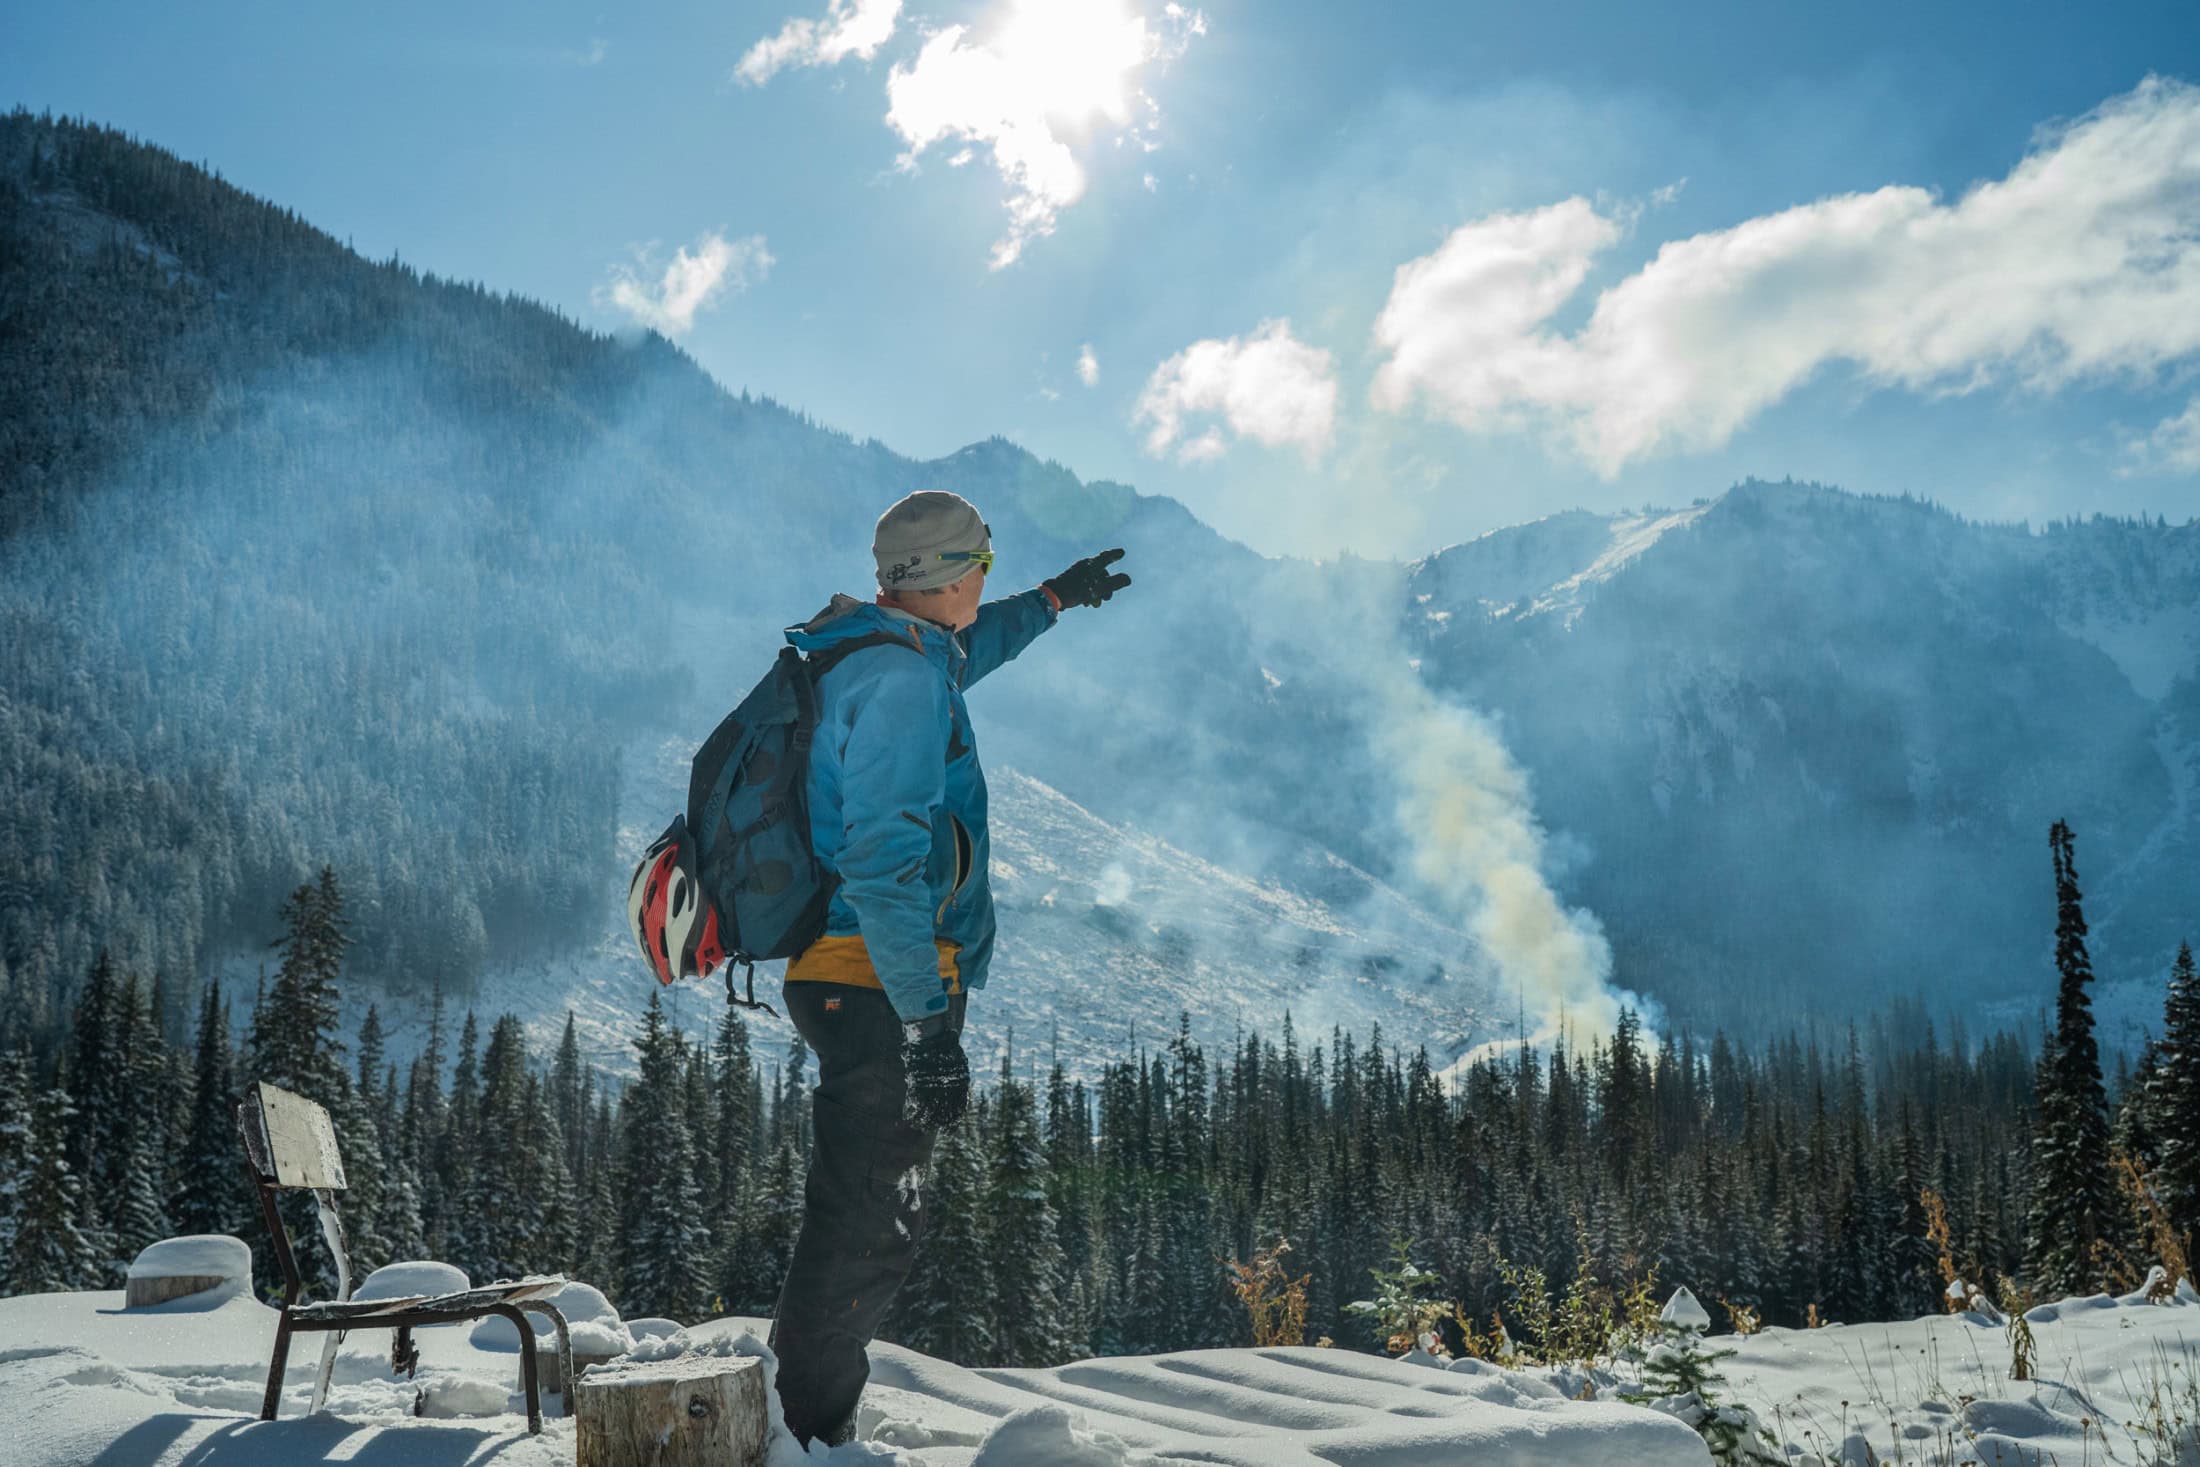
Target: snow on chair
{"x":290,"y":1146}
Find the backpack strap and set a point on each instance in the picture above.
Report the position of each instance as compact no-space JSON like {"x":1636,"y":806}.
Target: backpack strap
{"x":823,"y":662}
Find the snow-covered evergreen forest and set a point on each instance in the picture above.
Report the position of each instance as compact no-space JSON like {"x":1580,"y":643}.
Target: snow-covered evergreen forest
{"x":1845,"y":1177}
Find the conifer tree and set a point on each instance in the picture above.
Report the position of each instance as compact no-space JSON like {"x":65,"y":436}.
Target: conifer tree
{"x":455,"y":1141}
{"x":567,"y":1099}
{"x":361,"y":1131}
{"x":701,"y":1106}
{"x":666,"y":1268}
{"x":599,"y":1248}
{"x":491,"y":1238}
{"x":947,"y":1307}
{"x":770,"y":1225}
{"x":1024,"y":1250}
{"x":212,"y":1198}
{"x":2075,"y":1214}
{"x":735,"y":1126}
{"x":52,"y":1249}
{"x":294,"y":1040}
{"x":423,"y":1125}
{"x":98,"y":1133}
{"x":552,"y":1210}
{"x":16,"y":1153}
{"x":2173,"y":1100}
{"x":404,"y":1226}
{"x":136,"y":1168}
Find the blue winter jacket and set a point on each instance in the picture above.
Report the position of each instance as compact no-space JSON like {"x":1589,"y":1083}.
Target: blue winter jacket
{"x":897,"y":799}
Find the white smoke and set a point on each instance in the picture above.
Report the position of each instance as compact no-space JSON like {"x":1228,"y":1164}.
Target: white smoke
{"x":1464,"y":815}
{"x":1473,"y":843}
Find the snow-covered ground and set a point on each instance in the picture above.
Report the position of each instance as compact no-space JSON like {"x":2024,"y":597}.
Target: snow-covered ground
{"x":2114,"y":1381}
{"x":84,"y":1382}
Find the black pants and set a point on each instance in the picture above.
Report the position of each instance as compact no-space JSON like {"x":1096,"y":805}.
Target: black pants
{"x":861,"y":1214}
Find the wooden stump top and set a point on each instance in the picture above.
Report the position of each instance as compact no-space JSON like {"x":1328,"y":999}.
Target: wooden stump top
{"x":145,"y":1293}
{"x":689,"y":1411}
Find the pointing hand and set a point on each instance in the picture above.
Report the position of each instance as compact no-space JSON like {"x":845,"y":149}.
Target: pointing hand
{"x":1089,"y":582}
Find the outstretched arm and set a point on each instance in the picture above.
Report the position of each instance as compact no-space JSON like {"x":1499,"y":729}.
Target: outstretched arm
{"x":1005,"y":627}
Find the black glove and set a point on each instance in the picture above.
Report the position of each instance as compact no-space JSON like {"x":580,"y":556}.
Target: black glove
{"x":939,"y":1077}
{"x":1089,"y":582}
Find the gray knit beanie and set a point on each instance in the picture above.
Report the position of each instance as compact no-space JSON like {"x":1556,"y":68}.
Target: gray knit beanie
{"x":917,"y":532}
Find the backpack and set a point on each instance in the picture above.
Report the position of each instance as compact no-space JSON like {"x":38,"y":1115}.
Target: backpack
{"x":733,"y":876}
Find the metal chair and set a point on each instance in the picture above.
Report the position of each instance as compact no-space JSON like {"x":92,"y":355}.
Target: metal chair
{"x":290,"y":1146}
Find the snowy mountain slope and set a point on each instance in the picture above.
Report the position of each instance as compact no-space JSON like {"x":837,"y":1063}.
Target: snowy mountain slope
{"x":1810,"y":743}
{"x":1108,"y":933}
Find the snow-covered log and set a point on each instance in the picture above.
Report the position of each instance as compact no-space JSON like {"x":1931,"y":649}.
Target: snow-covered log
{"x":689,"y":1411}
{"x":213,"y":1264}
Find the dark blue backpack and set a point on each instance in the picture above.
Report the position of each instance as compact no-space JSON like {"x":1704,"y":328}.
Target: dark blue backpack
{"x":746,"y":832}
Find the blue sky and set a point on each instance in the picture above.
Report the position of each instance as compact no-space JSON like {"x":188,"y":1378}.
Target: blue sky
{"x":1646,"y":250}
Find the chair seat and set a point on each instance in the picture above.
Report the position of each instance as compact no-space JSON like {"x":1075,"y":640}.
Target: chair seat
{"x":465,"y":1304}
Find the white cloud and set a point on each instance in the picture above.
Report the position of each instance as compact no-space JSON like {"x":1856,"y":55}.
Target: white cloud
{"x":1056,"y":70}
{"x":1269,"y":387}
{"x":2172,"y":448}
{"x":2083,"y":263}
{"x":1088,"y":366}
{"x":690,"y":284}
{"x":851,"y":28}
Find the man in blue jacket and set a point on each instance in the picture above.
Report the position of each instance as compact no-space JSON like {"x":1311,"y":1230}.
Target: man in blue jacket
{"x":897,"y":812}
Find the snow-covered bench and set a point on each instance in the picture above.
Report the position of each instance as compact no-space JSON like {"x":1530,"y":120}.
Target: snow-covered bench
{"x":290,"y":1146}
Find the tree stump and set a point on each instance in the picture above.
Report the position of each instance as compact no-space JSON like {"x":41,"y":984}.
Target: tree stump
{"x":145,"y":1293}
{"x":690,"y":1411}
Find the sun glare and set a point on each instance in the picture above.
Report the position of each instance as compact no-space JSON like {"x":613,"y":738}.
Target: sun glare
{"x":1073,"y":59}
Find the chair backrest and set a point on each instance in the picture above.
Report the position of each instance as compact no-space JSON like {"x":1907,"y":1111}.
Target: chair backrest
{"x":290,"y":1140}
{"x":290,"y":1145}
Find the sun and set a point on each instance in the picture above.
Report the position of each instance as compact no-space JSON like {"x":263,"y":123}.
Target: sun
{"x":1073,"y":60}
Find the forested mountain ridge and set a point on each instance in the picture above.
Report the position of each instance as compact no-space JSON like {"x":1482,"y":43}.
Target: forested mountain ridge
{"x":306,"y":558}
{"x":310,"y":559}
{"x":1799,"y":723}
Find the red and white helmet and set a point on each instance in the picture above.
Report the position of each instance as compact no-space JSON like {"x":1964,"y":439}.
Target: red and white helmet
{"x":675,"y":927}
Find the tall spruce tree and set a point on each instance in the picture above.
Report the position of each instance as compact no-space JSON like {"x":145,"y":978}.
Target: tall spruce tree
{"x":770,"y":1223}
{"x":732,"y":1081}
{"x":598,"y":1247}
{"x":667,"y":1245}
{"x":98,"y":1136}
{"x":567,"y":1099}
{"x":364,"y":1132}
{"x":136,"y":1170}
{"x":490,"y":1240}
{"x":455,"y":1141}
{"x":52,"y":1249}
{"x":16,"y":1152}
{"x":1024,"y":1251}
{"x":294,"y":1040}
{"x":2075,"y":1216}
{"x":212,"y":1196}
{"x":2173,"y":1100}
{"x":948,"y":1305}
